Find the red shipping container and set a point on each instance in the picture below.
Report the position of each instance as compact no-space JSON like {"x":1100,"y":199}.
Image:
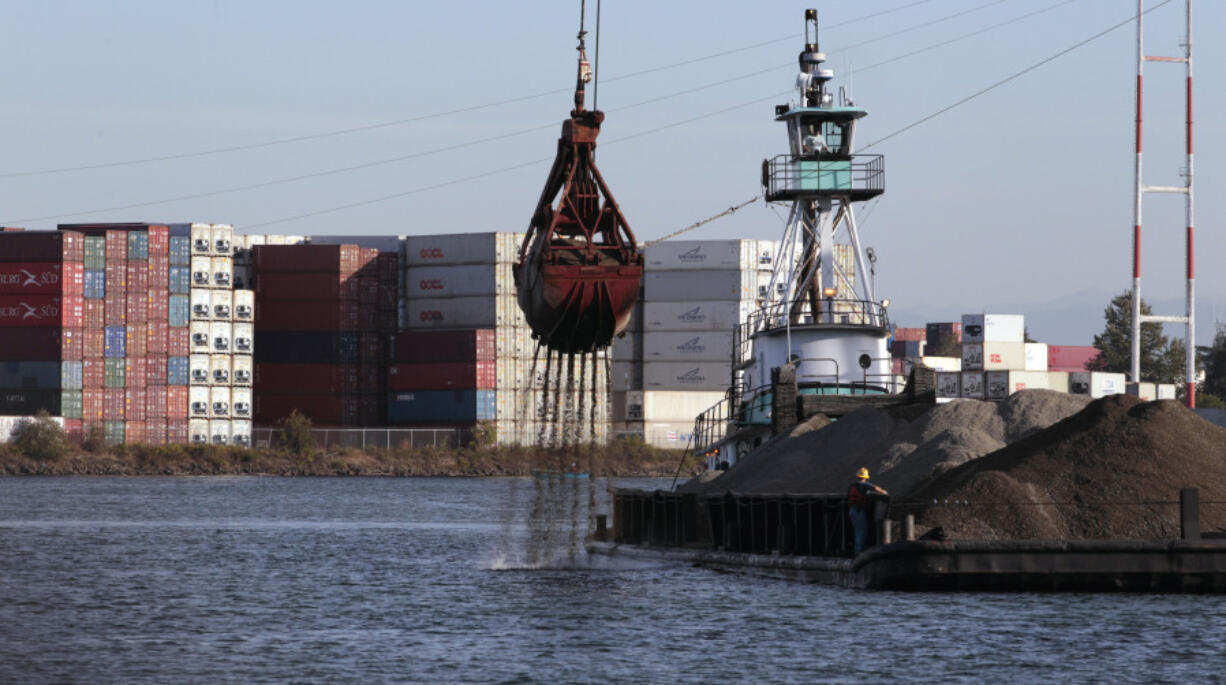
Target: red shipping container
{"x":371,"y":349}
{"x":339,"y":259}
{"x":95,"y":314}
{"x":159,"y":272}
{"x":371,"y":410}
{"x":116,"y":278}
{"x":42,"y":344}
{"x":155,"y":369}
{"x":1070,"y":357}
{"x":159,"y":305}
{"x":116,"y":309}
{"x":178,"y":341}
{"x":910,"y":334}
{"x":113,"y":401}
{"x":137,"y":277}
{"x":75,"y":429}
{"x":305,"y":286}
{"x":156,"y":337}
{"x":116,"y":248}
{"x":93,"y":343}
{"x":42,"y":246}
{"x":134,"y":432}
{"x":93,"y":372}
{"x":91,"y":404}
{"x":323,"y":410}
{"x":368,"y":289}
{"x":305,"y":378}
{"x":306,"y":315}
{"x":388,"y":321}
{"x":371,"y":378}
{"x":176,"y":402}
{"x":388,"y":267}
{"x":469,"y":345}
{"x":443,"y":376}
{"x":368,"y":319}
{"x":137,"y":336}
{"x":176,"y":431}
{"x":42,"y":278}
{"x":137,"y":307}
{"x":136,"y":373}
{"x":134,"y":409}
{"x":159,"y":240}
{"x":155,"y":431}
{"x":155,"y":402}
{"x":42,"y":311}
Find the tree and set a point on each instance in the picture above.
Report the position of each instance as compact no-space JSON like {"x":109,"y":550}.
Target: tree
{"x":296,"y":435}
{"x":1115,"y":343}
{"x":1213,"y":360}
{"x":40,"y":438}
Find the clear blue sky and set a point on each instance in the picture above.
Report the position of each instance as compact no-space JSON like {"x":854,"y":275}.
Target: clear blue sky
{"x":1016,"y":201}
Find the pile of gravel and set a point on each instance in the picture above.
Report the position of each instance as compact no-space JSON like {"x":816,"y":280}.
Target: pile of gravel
{"x":1111,"y":471}
{"x":902,"y":447}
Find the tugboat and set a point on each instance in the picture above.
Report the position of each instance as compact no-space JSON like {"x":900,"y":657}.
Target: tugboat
{"x":820,"y":337}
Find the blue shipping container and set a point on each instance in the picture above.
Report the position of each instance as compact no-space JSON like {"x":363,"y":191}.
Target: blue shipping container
{"x":441,"y":406}
{"x":180,"y":250}
{"x":180,"y":281}
{"x":138,"y":245}
{"x":176,"y":370}
{"x":178,"y":311}
{"x":33,"y":375}
{"x":72,"y":375}
{"x":115,"y":341}
{"x":95,"y":285}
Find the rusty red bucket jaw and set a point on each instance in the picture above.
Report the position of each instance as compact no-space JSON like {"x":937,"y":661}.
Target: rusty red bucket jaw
{"x":574,"y":308}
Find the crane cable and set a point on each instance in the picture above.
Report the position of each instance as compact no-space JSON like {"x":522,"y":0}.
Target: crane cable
{"x":697,"y":224}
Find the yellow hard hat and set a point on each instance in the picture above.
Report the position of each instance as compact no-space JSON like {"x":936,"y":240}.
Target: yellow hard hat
{"x":862,"y":473}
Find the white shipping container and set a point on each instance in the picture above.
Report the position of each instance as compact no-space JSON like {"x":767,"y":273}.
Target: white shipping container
{"x":382,"y":243}
{"x":202,"y":240}
{"x":1036,"y":356}
{"x":462,"y":312}
{"x":702,"y":346}
{"x":972,"y":385}
{"x":514,"y":342}
{"x":223,"y":304}
{"x":219,"y":369}
{"x":696,"y":316}
{"x":284,"y":239}
{"x":993,"y":356}
{"x":241,"y":369}
{"x":626,"y":376}
{"x":627,"y":405}
{"x":198,"y":369}
{"x":198,"y":336}
{"x":942,"y":363}
{"x":9,"y":423}
{"x":202,"y":272}
{"x":223,"y":240}
{"x":461,"y":248}
{"x":198,"y":399}
{"x":198,"y":431}
{"x":977,"y":328}
{"x":700,"y":286}
{"x":949,"y":384}
{"x":628,"y":348}
{"x":202,"y":304}
{"x":1095,"y":383}
{"x":1145,"y":391}
{"x":223,"y":271}
{"x":674,"y":255}
{"x":220,"y":431}
{"x":1058,"y":381}
{"x":459,"y":280}
{"x":240,"y":402}
{"x":677,"y":405}
{"x":687,"y":375}
{"x":220,"y":334}
{"x":240,"y":433}
{"x":244,"y":305}
{"x":1166,"y":391}
{"x":1000,"y":384}
{"x":244,"y":338}
{"x":219,"y":402}
{"x":668,"y":434}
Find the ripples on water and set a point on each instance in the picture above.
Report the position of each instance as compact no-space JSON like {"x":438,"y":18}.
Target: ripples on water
{"x":370,"y":580}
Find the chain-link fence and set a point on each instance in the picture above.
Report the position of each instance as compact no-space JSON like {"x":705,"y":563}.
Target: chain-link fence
{"x":382,"y":438}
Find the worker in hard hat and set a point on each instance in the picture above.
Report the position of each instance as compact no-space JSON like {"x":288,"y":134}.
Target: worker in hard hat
{"x":857,"y":506}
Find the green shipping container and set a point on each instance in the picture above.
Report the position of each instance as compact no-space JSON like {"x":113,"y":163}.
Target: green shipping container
{"x":113,"y":432}
{"x":71,"y":406}
{"x":95,"y":252}
{"x":114,"y":372}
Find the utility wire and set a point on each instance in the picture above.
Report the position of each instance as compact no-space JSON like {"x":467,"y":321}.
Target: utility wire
{"x":1011,"y":77}
{"x":423,"y":117}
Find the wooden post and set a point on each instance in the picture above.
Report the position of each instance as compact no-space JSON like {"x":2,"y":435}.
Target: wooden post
{"x":908,"y":528}
{"x":886,"y":526}
{"x":1189,"y":514}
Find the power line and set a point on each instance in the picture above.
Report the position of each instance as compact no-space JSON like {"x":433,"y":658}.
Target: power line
{"x":1011,"y":77}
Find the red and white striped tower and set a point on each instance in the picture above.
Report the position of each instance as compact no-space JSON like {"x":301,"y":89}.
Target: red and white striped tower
{"x":1189,"y":318}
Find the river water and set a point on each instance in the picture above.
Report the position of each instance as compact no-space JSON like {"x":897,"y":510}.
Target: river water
{"x":376,"y":580}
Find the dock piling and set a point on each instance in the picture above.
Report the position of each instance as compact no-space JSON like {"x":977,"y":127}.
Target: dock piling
{"x":908,"y":528}
{"x":886,"y":531}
